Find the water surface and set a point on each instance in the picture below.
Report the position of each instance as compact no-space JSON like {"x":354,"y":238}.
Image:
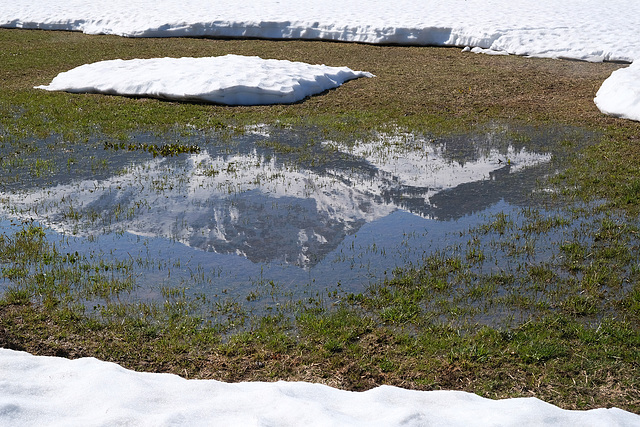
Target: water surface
{"x":273,"y":208}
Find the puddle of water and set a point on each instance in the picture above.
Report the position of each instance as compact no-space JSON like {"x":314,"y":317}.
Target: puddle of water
{"x":279,"y":206}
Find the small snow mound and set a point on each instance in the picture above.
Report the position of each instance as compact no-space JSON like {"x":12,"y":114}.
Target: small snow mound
{"x":229,"y":79}
{"x":619,"y":95}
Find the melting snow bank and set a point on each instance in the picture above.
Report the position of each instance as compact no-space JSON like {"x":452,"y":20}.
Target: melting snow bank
{"x":619,"y":95}
{"x":590,"y":30}
{"x":229,"y":79}
{"x":36,"y":390}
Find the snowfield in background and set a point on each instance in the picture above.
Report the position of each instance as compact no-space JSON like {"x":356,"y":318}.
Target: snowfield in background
{"x":52,"y":391}
{"x":588,"y":30}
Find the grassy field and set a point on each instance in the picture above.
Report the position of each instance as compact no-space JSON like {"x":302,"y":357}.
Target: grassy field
{"x":573,"y":333}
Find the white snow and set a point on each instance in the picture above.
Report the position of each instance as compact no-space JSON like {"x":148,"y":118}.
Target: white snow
{"x":52,"y":391}
{"x":619,"y":95}
{"x":588,"y":30}
{"x":229,"y":79}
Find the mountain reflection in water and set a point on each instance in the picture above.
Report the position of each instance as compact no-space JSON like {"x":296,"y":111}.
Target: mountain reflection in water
{"x":261,"y":205}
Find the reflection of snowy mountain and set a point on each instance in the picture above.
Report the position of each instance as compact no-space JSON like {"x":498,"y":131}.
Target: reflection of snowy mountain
{"x":427,"y":181}
{"x":255,"y":204}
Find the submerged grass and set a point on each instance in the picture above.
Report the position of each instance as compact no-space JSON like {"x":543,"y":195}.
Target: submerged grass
{"x":563,"y":284}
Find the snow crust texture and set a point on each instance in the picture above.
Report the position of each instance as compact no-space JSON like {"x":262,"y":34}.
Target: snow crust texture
{"x":229,"y":79}
{"x":36,"y":390}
